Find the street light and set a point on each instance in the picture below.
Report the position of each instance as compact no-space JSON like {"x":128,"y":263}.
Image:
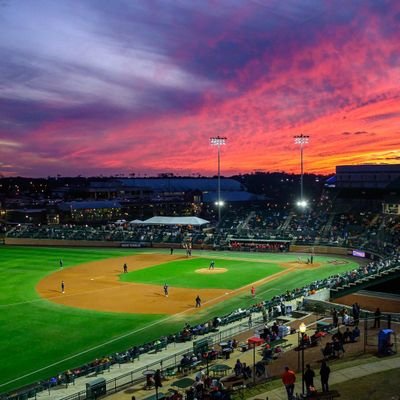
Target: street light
{"x":302,"y":329}
{"x":301,"y":140}
{"x":218,"y":141}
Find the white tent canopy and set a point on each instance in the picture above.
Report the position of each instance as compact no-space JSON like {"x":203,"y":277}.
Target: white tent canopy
{"x":136,"y":221}
{"x":195,"y":221}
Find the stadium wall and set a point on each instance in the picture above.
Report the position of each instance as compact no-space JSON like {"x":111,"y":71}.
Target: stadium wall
{"x":93,"y":243}
{"x":97,"y":243}
{"x":59,"y":243}
{"x":319,"y":249}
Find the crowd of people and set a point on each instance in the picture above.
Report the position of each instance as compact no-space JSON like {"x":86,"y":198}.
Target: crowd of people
{"x":110,"y":232}
{"x":367,"y":230}
{"x":364,"y":229}
{"x":270,"y":309}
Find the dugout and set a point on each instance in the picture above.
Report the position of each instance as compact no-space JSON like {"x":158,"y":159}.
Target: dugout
{"x":259,"y":245}
{"x":96,"y":388}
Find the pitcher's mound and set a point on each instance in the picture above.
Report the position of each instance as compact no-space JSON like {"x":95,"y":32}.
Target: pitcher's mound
{"x":211,"y":271}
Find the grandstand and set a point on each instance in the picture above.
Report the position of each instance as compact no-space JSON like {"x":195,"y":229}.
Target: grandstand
{"x":351,"y":221}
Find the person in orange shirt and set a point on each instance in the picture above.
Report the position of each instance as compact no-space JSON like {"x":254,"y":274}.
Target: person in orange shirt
{"x":288,"y":379}
{"x":253,"y":291}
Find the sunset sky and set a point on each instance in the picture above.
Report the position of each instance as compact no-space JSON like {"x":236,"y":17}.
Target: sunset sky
{"x":91,"y":87}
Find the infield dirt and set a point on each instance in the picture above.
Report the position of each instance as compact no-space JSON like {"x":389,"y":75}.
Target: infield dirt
{"x":96,"y":286}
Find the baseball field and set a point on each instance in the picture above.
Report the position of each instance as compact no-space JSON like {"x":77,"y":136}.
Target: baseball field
{"x":44,"y":331}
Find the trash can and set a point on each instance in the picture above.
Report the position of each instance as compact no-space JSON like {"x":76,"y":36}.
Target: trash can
{"x":96,"y":388}
{"x":385,"y":346}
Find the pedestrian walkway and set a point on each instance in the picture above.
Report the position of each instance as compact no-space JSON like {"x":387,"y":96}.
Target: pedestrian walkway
{"x":336,"y":377}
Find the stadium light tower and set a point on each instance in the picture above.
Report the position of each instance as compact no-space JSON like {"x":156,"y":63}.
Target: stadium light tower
{"x":301,"y":140}
{"x":218,"y":141}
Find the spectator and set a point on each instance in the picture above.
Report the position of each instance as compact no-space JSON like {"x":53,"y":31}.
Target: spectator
{"x":377,"y":320}
{"x":355,"y":334}
{"x":335,"y":318}
{"x":347,"y":336}
{"x":328,"y":350}
{"x":356,"y":313}
{"x":238,"y":368}
{"x":309,"y":375}
{"x":157,"y":379}
{"x":246,"y":371}
{"x":289,"y":379}
{"x":324,"y":373}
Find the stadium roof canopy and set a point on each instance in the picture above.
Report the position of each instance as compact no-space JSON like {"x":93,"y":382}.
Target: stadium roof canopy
{"x":80,"y":205}
{"x":182,"y":184}
{"x":175,"y":221}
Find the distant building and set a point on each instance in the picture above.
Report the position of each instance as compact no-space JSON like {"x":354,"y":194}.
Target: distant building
{"x":367,"y":176}
{"x":372,"y":186}
{"x":90,"y":211}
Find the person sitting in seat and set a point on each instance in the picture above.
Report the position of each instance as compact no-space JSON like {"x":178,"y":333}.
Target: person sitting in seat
{"x":275,"y":329}
{"x":185,"y":362}
{"x":260,"y":369}
{"x":266,"y":333}
{"x":314,"y":339}
{"x":246,"y":371}
{"x":149,"y":382}
{"x":267,"y":353}
{"x":305,"y":340}
{"x":337,"y":347}
{"x":338,"y":335}
{"x":355,"y":334}
{"x":238,"y":368}
{"x":347,"y":336}
{"x":328,"y":350}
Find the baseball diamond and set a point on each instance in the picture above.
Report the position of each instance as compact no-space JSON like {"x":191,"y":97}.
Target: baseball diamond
{"x":104,"y":310}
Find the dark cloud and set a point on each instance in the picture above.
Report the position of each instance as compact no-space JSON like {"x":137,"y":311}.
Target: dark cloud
{"x":392,"y":158}
{"x":357,"y":133}
{"x":382,"y":117}
{"x":78,"y":80}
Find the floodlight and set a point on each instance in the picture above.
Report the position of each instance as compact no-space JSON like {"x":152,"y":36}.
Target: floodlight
{"x":218,"y":141}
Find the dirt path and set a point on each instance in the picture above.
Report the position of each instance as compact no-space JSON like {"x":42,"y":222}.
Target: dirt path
{"x":96,"y":286}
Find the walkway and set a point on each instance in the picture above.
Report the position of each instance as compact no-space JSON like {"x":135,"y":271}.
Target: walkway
{"x":337,"y":377}
{"x":135,"y":369}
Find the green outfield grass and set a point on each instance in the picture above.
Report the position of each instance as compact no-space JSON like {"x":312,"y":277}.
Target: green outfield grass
{"x":39,"y":338}
{"x":182,"y":273}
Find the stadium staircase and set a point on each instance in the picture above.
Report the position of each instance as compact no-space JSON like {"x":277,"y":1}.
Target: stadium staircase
{"x":245,"y":223}
{"x":286,"y":224}
{"x":366,"y":282}
{"x":327,"y":228}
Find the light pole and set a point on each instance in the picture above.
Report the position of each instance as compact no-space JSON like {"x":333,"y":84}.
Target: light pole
{"x":254,"y":363}
{"x":301,"y":140}
{"x":218,"y":141}
{"x":302,"y":329}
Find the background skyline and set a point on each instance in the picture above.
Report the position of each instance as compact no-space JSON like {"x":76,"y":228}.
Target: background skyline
{"x":89,"y":88}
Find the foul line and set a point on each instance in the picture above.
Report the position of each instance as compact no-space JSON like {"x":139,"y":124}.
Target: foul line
{"x":139,"y":329}
{"x":98,"y":346}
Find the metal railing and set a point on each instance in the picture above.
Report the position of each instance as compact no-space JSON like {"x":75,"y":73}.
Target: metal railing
{"x":136,"y":375}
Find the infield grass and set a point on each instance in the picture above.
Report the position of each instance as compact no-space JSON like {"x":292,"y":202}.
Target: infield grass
{"x":39,"y":338}
{"x":183,"y":273}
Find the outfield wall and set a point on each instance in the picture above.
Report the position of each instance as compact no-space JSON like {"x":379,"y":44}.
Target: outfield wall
{"x":59,"y":243}
{"x":97,"y":243}
{"x":344,"y":251}
{"x":11,"y":241}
